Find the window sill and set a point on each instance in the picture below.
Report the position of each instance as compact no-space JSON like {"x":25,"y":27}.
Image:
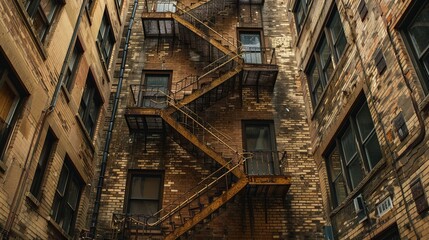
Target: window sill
{"x":58,"y":228}
{"x":359,"y":188}
{"x":33,"y":200}
{"x":424,"y":105}
{"x":87,"y":137}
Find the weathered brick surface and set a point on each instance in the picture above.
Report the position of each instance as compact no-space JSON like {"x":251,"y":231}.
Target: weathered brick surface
{"x":387,"y":96}
{"x":37,"y":66}
{"x":300,"y":215}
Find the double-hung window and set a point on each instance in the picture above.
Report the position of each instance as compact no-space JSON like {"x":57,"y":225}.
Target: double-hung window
{"x":90,"y":105}
{"x":47,"y":150}
{"x":328,"y":51}
{"x":67,"y":197}
{"x":11,"y":98}
{"x":105,"y":38}
{"x":301,"y":11}
{"x":72,"y":66}
{"x":144,"y":193}
{"x":42,"y":12}
{"x":416,"y":31}
{"x":355,"y":152}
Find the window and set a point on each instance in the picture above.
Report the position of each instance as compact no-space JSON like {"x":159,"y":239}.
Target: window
{"x":144,"y":193}
{"x":67,"y":197}
{"x":356,"y":152}
{"x":329,"y":50}
{"x":251,"y":46}
{"x":47,"y":151}
{"x":416,"y":31}
{"x":90,"y":105}
{"x":259,"y":140}
{"x":165,"y":6}
{"x":72,"y":66}
{"x":155,"y":90}
{"x":301,"y":10}
{"x":106,"y":38}
{"x":11,"y":99}
{"x":392,"y":233}
{"x":42,"y":12}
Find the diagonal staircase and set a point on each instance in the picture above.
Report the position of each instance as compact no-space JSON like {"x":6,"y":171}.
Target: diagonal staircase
{"x":193,"y":26}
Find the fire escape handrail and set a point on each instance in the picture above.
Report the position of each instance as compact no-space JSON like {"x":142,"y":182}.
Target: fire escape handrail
{"x":211,"y":29}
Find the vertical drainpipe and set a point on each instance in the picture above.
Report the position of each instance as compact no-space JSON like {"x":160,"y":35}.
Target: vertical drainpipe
{"x":103,"y":164}
{"x":19,"y":195}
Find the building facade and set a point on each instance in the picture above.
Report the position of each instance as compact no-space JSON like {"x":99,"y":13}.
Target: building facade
{"x":363,"y":66}
{"x":210,"y":136}
{"x":56,"y":61}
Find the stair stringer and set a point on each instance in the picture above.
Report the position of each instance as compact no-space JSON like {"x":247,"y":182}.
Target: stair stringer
{"x":205,"y":212}
{"x":194,"y":140}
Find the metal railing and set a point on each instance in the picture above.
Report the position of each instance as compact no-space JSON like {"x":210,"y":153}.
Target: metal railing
{"x":201,"y":24}
{"x":160,"y":6}
{"x":173,"y":215}
{"x":259,"y":55}
{"x":148,"y":96}
{"x":190,"y":83}
{"x":266,"y":163}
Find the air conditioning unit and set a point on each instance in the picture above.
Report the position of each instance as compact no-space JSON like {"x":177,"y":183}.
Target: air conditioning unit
{"x":360,"y":208}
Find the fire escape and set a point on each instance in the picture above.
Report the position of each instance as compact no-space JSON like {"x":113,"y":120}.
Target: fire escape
{"x":176,"y":113}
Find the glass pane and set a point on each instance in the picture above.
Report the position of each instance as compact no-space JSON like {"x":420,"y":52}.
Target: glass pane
{"x":348,"y":144}
{"x":340,"y":45}
{"x":372,"y":150}
{"x":63,"y":180}
{"x":145,"y":187}
{"x":7,"y":102}
{"x":251,"y":43}
{"x":66,"y":219}
{"x":335,"y":26}
{"x":335,"y":163}
{"x":355,"y":171}
{"x":317,"y":94}
{"x":340,"y":189}
{"x":364,"y":122}
{"x":73,"y":194}
{"x":258,"y":138}
{"x":40,"y":24}
{"x":151,"y":187}
{"x":48,"y":7}
{"x":324,"y":53}
{"x":419,"y":30}
{"x":143,"y":207}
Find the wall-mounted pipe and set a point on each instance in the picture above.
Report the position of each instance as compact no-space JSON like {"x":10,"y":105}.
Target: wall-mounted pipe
{"x":103,"y":164}
{"x":35,"y":140}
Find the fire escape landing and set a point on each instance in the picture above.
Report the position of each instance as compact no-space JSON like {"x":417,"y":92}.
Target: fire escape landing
{"x":174,"y":113}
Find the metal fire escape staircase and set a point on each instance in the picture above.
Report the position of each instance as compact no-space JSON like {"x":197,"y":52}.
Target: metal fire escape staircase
{"x":175,"y":113}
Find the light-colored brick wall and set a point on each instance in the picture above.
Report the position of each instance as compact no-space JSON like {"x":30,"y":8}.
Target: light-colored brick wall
{"x":387,"y":95}
{"x":37,"y":66}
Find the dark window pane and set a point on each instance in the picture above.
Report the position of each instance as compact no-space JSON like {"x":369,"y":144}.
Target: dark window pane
{"x":61,"y":188}
{"x":348,"y":145}
{"x":364,"y":122}
{"x":355,"y":171}
{"x":340,"y":189}
{"x":419,"y":30}
{"x":335,"y":163}
{"x":372,"y":150}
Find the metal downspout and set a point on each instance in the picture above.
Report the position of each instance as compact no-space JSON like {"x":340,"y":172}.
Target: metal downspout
{"x":103,"y":164}
{"x":19,"y":193}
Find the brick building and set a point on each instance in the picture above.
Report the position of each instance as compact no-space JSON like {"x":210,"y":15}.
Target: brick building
{"x":210,"y":137}
{"x":55,"y":80}
{"x":363,"y":66}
